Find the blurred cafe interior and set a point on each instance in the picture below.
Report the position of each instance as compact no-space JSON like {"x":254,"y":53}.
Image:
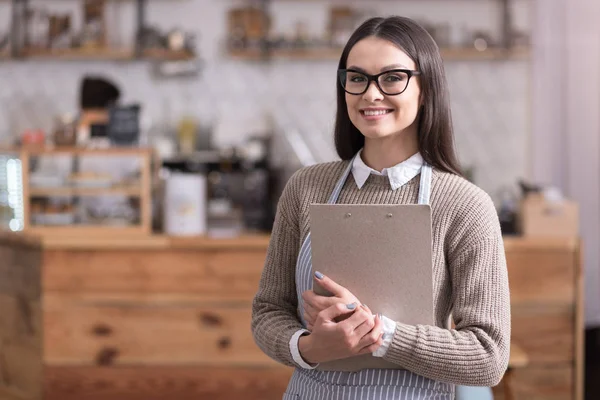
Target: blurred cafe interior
{"x":144,"y":145}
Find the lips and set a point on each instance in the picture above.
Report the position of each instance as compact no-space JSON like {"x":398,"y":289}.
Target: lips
{"x":373,"y":115}
{"x":374,"y":112}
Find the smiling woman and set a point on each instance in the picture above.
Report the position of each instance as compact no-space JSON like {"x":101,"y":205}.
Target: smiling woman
{"x":394,"y":135}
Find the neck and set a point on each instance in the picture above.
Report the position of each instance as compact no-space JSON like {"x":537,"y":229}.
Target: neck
{"x":389,"y":151}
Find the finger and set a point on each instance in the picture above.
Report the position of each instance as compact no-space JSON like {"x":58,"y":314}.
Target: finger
{"x":317,"y":302}
{"x":373,"y":347}
{"x":311,"y":310}
{"x":309,"y":319}
{"x":328,"y":284}
{"x":313,"y":313}
{"x":373,"y":336}
{"x":367,"y":308}
{"x":306,"y":295}
{"x":310,"y":297}
{"x":356,"y":319}
{"x":365,"y":327}
{"x":310,"y":315}
{"x":309,"y":307}
{"x":336,"y":310}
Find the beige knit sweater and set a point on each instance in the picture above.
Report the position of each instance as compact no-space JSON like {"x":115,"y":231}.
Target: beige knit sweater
{"x":469,"y":276}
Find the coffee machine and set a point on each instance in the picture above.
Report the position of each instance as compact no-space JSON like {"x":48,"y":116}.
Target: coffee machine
{"x":240,"y":186}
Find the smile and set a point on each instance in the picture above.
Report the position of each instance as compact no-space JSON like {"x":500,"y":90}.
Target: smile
{"x":373,"y":113}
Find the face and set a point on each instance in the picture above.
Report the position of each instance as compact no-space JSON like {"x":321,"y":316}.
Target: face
{"x":375,"y":114}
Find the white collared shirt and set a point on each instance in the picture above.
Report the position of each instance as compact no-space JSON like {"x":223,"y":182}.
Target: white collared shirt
{"x":398,"y":175}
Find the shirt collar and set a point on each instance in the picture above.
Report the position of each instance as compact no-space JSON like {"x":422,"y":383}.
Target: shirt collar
{"x":398,"y":175}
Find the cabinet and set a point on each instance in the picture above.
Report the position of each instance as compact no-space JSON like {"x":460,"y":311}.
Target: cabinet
{"x":155,"y":317}
{"x":546,"y":291}
{"x":145,"y":318}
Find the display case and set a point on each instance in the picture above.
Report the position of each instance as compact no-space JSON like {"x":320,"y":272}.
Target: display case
{"x":75,"y":191}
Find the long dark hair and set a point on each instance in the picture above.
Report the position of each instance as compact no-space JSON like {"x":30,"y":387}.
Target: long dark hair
{"x":435,"y":134}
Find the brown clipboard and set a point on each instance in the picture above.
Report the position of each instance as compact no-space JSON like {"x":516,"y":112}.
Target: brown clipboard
{"x":382,"y":254}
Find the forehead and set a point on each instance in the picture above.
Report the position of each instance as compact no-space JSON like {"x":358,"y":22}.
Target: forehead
{"x":373,"y":54}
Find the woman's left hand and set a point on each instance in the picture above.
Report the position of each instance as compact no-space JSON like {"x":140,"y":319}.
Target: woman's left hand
{"x":314,"y":303}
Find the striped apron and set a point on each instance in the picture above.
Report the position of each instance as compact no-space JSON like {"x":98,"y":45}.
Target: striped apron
{"x":376,"y":384}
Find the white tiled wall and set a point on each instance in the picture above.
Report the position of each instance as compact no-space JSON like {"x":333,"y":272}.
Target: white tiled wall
{"x":489,"y":99}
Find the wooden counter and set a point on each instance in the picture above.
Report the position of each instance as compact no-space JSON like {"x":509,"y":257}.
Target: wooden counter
{"x":168,"y":318}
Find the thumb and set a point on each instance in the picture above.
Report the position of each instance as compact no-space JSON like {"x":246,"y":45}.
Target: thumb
{"x":329,"y":285}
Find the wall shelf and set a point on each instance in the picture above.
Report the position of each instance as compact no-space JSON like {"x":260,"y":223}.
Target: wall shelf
{"x":323,"y":54}
{"x":77,"y":54}
{"x":135,"y":52}
{"x":130,"y":191}
{"x":106,"y":54}
{"x":167,"y":55}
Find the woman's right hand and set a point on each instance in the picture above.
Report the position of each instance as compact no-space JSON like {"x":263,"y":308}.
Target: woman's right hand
{"x":360,"y":333}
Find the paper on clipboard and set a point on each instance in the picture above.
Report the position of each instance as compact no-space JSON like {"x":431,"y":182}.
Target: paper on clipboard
{"x":382,"y":254}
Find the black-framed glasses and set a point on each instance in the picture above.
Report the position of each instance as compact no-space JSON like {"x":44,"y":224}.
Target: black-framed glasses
{"x":391,"y":83}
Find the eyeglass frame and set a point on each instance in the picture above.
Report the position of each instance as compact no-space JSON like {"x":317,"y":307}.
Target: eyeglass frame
{"x":375,"y":78}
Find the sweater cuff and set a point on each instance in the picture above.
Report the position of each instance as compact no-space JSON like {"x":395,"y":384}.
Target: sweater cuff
{"x":389,"y":328}
{"x":403,"y":344}
{"x":296,"y":352}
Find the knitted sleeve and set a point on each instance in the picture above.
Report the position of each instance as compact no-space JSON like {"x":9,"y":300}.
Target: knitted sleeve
{"x":274,"y":315}
{"x":476,"y":352}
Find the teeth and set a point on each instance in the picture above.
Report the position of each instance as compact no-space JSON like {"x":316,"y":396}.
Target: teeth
{"x":378,"y":112}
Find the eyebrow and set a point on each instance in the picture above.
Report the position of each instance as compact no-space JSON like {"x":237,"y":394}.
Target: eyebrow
{"x":386,"y":68}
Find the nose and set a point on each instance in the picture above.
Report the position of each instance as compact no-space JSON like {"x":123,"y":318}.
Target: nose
{"x":372,"y":94}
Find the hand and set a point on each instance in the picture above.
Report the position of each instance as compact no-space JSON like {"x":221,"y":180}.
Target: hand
{"x":360,"y":333}
{"x":314,"y":303}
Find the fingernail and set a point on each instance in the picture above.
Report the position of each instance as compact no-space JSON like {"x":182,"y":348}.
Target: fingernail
{"x":351,"y":306}
{"x":319,"y":275}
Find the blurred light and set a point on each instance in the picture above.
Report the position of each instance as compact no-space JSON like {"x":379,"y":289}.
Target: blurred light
{"x":480,"y":44}
{"x":14,"y":190}
{"x":15,"y":225}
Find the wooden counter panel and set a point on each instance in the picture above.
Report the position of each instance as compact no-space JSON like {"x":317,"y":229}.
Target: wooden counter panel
{"x":545,"y":335}
{"x":20,"y":318}
{"x":20,"y":367}
{"x":20,"y":322}
{"x":148,"y":334}
{"x":537,"y":277}
{"x":543,"y":383}
{"x":14,"y":394}
{"x":227,"y":276}
{"x":165,"y":383}
{"x":20,"y":271}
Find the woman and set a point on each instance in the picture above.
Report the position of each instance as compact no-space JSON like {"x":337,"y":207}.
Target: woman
{"x":394,"y":135}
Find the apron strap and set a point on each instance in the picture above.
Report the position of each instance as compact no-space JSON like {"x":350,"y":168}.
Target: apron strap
{"x":340,"y":183}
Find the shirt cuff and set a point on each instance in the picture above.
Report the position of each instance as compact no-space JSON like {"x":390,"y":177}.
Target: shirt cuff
{"x":296,"y":352}
{"x":389,"y":328}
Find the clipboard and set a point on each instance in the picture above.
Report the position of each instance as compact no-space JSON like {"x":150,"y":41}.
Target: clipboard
{"x":382,"y":254}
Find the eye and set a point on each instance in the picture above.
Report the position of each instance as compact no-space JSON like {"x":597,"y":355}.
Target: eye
{"x":356,"y":78}
{"x":394,"y":77}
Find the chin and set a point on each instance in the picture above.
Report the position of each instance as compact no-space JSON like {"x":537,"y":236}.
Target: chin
{"x":372,"y":132}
